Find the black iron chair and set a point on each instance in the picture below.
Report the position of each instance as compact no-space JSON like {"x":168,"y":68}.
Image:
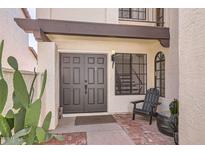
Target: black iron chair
{"x":149,"y":106}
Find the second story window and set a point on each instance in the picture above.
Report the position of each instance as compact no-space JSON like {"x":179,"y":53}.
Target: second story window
{"x":132,"y":13}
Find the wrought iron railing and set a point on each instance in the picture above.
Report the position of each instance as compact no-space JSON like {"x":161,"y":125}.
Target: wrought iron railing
{"x":152,"y":16}
{"x":119,"y":81}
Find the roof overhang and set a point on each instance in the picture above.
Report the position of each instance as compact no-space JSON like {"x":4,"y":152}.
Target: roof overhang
{"x":41,"y":27}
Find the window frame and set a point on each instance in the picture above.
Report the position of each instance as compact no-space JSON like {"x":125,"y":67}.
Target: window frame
{"x":160,"y":72}
{"x":144,"y":73}
{"x":130,"y":12}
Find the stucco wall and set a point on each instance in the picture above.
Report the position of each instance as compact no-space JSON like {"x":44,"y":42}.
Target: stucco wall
{"x":16,"y":40}
{"x":102,"y":15}
{"x":8,"y":75}
{"x":191,"y":76}
{"x":74,"y":44}
{"x":171,"y":61}
{"x":48,"y":60}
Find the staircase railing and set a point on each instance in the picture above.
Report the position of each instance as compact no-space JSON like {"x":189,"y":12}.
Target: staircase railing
{"x":137,"y":76}
{"x":118,"y":80}
{"x":135,"y":73}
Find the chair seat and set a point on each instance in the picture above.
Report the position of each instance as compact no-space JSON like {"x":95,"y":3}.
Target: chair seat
{"x":149,"y":106}
{"x":140,"y":111}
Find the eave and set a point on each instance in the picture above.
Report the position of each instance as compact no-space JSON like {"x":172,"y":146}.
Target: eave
{"x":41,"y":27}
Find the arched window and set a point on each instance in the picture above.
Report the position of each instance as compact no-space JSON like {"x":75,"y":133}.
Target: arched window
{"x":160,"y":73}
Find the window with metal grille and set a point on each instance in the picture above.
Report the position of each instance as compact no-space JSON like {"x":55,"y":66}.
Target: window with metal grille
{"x":160,"y":73}
{"x":132,"y":13}
{"x":130,"y":74}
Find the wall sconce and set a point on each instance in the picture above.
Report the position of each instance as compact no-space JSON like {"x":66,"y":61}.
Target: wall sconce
{"x":113,"y":58}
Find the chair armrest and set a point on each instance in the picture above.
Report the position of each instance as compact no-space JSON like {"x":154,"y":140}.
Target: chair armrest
{"x":136,"y":102}
{"x":155,"y":105}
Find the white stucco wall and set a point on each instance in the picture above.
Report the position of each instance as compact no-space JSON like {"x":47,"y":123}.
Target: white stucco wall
{"x":171,"y":61}
{"x":8,"y":75}
{"x":15,"y":40}
{"x":191,"y":76}
{"x":48,"y":60}
{"x":101,"y":15}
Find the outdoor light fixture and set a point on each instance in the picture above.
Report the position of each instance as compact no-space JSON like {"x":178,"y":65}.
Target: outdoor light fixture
{"x":113,"y":58}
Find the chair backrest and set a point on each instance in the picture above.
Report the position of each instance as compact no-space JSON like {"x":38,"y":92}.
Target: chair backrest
{"x":151,"y":97}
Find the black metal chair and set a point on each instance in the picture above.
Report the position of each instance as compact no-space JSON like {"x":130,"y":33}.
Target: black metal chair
{"x":149,"y":106}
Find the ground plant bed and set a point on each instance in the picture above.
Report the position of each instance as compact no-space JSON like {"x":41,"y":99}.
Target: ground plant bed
{"x":76,"y":138}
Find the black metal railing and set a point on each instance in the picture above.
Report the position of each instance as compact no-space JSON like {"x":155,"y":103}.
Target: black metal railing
{"x":120,"y":82}
{"x":142,"y":15}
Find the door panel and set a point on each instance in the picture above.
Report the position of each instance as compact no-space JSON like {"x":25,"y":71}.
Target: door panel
{"x":83,"y":83}
{"x":72,"y":83}
{"x":95,"y":75}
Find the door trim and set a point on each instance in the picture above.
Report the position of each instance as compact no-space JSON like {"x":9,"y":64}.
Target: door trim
{"x":60,"y":52}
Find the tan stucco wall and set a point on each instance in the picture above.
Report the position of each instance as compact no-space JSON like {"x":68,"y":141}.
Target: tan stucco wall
{"x":191,"y":76}
{"x":16,"y":40}
{"x":48,"y":59}
{"x":74,"y":44}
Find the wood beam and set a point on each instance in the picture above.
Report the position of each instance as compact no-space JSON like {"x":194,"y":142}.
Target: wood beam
{"x":164,"y":43}
{"x":61,"y":27}
{"x":40,"y":36}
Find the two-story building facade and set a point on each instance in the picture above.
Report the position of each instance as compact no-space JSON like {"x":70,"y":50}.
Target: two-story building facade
{"x":99,"y":60}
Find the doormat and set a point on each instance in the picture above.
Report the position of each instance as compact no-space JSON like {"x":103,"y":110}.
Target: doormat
{"x":91,"y":120}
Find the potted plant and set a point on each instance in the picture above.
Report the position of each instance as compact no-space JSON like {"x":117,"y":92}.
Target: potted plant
{"x":174,"y":110}
{"x":169,"y":125}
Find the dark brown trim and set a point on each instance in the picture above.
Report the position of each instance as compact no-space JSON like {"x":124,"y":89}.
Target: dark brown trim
{"x":33,"y":52}
{"x":26,"y":13}
{"x":164,"y":42}
{"x":40,"y":36}
{"x":62,"y":27}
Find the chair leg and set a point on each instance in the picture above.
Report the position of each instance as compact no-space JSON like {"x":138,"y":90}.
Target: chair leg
{"x":133,"y":116}
{"x":150,"y":120}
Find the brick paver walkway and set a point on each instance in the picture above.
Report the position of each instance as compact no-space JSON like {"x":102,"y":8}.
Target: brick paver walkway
{"x":140,"y":131}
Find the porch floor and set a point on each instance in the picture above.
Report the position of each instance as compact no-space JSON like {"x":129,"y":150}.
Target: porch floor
{"x":124,"y":132}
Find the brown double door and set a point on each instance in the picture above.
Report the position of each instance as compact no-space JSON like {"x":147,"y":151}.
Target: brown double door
{"x":83,"y":83}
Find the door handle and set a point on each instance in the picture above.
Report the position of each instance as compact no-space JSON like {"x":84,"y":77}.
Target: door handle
{"x":86,"y":88}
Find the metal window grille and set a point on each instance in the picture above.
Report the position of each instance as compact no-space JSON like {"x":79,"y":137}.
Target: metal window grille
{"x":160,"y":73}
{"x":133,"y":13}
{"x":130,"y":74}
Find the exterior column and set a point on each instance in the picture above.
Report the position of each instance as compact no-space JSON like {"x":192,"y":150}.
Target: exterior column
{"x":48,"y":60}
{"x":191,"y":76}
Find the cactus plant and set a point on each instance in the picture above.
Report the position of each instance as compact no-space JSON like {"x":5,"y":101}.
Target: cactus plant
{"x":22,"y":126}
{"x":17,"y":139}
{"x":3,"y":84}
